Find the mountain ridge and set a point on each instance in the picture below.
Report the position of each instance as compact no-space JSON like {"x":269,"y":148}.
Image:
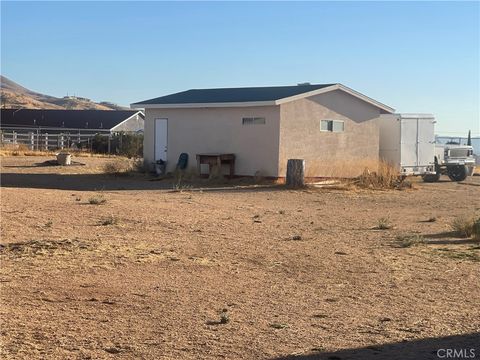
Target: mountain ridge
{"x":14,"y":95}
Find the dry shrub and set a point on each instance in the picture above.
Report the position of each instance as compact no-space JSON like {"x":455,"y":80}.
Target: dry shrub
{"x":97,"y":200}
{"x":24,"y":150}
{"x":467,"y":227}
{"x":409,"y":240}
{"x":110,"y":220}
{"x":361,"y":173}
{"x":383,"y":224}
{"x":339,"y":168}
{"x":366,"y":173}
{"x":385,"y":177}
{"x":139,"y":165}
{"x":186,"y":175}
{"x":119,"y":167}
{"x":21,"y":150}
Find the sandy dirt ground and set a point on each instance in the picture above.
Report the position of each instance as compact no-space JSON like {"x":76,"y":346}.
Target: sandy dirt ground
{"x":151,"y":272}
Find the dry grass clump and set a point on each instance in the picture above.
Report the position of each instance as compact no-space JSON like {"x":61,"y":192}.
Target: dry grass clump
{"x":224,"y":317}
{"x":279,"y":325}
{"x":118,"y":167}
{"x":338,"y":168}
{"x":467,"y":227}
{"x":469,"y":255}
{"x":43,"y":247}
{"x":409,"y":240}
{"x":22,"y":150}
{"x":365,"y":173}
{"x":138,"y":165}
{"x":97,"y":200}
{"x":383,"y":224}
{"x":124,"y":167}
{"x":385,"y":177}
{"x":110,"y":220}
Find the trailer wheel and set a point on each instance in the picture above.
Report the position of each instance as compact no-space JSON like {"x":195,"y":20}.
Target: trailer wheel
{"x":457,"y":172}
{"x":431,"y":177}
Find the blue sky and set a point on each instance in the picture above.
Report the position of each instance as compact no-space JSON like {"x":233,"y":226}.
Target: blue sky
{"x":413,"y":56}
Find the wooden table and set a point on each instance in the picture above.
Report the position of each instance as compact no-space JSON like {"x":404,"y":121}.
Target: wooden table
{"x":216,"y":160}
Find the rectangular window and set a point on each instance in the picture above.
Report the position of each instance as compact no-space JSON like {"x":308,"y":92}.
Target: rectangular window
{"x":332,"y":125}
{"x":253,"y":121}
{"x":326,"y":125}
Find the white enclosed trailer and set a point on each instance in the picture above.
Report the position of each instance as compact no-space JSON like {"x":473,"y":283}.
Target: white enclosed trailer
{"x":407,"y":142}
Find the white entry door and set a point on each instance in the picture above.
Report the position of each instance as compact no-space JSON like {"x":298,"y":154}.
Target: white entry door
{"x":161,"y":132}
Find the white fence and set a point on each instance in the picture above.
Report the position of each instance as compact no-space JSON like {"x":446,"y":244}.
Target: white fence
{"x":36,"y":140}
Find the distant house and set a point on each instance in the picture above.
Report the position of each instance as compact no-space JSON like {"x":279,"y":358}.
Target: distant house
{"x":264,"y":126}
{"x":55,"y":121}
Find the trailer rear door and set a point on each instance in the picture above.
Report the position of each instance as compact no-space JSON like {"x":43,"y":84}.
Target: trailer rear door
{"x":408,"y":143}
{"x":417,"y":143}
{"x":426,"y":141}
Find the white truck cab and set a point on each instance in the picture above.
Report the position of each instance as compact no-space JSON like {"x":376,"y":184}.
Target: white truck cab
{"x":456,"y":161}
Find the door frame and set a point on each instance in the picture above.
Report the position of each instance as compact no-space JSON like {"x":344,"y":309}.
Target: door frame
{"x":155,"y":139}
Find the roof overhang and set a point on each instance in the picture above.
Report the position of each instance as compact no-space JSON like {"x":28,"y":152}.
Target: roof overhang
{"x":338,"y":87}
{"x":202,"y":105}
{"x":341,"y":87}
{"x":416,"y":116}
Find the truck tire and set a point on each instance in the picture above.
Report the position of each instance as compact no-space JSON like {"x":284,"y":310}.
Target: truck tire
{"x":457,"y":172}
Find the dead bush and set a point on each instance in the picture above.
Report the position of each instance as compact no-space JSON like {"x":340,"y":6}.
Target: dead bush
{"x":97,"y":200}
{"x":139,"y":166}
{"x":224,"y":317}
{"x":110,"y":220}
{"x":13,"y":149}
{"x":383,"y":224}
{"x":338,"y":168}
{"x":409,"y":240}
{"x":476,"y":229}
{"x":385,"y":177}
{"x":118,"y":167}
{"x":466,"y":226}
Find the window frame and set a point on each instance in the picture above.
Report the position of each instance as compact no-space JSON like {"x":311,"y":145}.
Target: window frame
{"x":253,"y":120}
{"x":330,"y":128}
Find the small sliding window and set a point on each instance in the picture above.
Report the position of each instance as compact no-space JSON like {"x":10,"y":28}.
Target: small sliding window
{"x":332,"y":125}
{"x":253,"y":121}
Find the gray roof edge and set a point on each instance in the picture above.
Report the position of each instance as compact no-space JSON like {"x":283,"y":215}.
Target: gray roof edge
{"x":150,"y":101}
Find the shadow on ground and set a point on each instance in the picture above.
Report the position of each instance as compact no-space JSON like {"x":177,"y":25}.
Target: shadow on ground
{"x":467,"y":347}
{"x":95,"y":182}
{"x":448,"y":238}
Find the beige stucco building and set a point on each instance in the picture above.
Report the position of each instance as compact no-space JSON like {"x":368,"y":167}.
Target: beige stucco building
{"x":330,"y":126}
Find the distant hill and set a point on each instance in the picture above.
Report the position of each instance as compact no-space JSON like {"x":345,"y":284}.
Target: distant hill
{"x":14,"y":95}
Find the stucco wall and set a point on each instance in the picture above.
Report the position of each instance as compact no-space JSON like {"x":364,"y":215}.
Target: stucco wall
{"x":327,"y":153}
{"x":219,"y":130}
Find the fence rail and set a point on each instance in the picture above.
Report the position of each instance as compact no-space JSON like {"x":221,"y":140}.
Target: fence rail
{"x":45,"y":141}
{"x":129,"y":144}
